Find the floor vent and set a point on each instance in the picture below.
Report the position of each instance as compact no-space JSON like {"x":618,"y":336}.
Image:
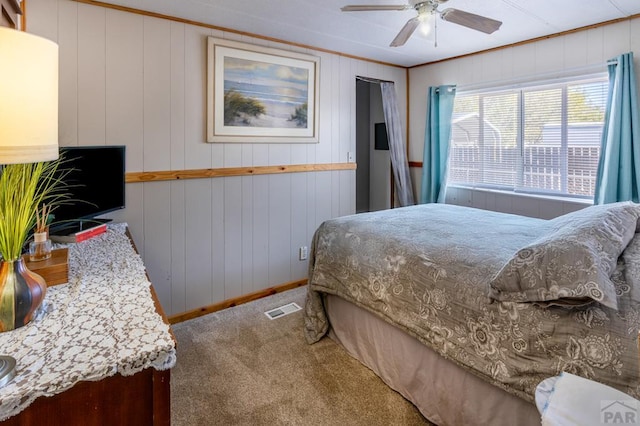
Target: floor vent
{"x":282,"y":310}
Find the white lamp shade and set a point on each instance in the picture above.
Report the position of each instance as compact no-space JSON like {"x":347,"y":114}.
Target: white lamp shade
{"x":28,"y":98}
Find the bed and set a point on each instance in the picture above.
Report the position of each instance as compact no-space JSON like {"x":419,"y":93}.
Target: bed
{"x":465,"y":311}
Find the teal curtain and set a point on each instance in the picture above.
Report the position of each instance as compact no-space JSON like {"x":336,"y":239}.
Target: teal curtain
{"x":619,"y":167}
{"x":436,"y":143}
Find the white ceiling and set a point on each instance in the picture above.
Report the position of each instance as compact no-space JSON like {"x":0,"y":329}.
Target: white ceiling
{"x":321,"y":23}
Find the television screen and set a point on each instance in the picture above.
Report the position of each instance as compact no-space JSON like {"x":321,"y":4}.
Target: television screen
{"x":381,"y":140}
{"x":95,"y":183}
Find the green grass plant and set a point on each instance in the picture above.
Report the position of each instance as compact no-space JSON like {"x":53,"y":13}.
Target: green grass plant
{"x":24,"y":188}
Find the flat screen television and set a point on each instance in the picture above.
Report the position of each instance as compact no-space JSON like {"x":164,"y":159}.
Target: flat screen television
{"x":381,"y":139}
{"x":95,"y":185}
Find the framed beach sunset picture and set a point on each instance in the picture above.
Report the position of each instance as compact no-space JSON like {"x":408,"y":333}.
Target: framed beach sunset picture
{"x":259,"y":94}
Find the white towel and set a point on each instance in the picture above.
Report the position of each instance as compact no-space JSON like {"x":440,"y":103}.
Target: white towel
{"x":570,"y":400}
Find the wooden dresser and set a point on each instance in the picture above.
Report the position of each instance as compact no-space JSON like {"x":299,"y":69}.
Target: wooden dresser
{"x":142,"y":398}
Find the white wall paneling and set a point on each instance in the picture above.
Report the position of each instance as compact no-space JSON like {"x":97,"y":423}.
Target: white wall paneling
{"x":280,"y":251}
{"x":566,"y":53}
{"x":68,"y":87}
{"x":232,"y":234}
{"x":198,"y":153}
{"x":141,"y":81}
{"x":247,"y":235}
{"x":298,"y":223}
{"x":177,"y":96}
{"x":260,"y":220}
{"x":91,"y":74}
{"x":125,"y":83}
{"x":157,"y":69}
{"x":157,"y":253}
{"x":177,"y":243}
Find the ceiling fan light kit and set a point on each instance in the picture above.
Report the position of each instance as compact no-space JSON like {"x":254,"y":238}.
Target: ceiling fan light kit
{"x":425,"y":9}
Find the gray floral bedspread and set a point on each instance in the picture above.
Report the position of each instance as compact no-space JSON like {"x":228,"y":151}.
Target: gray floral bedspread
{"x":427,"y":270}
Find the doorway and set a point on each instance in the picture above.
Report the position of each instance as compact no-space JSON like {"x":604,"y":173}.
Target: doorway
{"x":373,"y":175}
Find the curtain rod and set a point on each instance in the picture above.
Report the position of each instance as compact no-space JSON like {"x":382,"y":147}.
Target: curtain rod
{"x":372,"y":80}
{"x":449,"y":89}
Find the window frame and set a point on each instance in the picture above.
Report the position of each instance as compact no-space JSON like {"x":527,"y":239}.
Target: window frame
{"x":520,"y":89}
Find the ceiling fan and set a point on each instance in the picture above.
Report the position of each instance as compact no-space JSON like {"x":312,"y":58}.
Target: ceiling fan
{"x":425,"y":9}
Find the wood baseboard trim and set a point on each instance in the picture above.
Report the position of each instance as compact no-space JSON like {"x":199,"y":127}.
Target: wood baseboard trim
{"x":161,"y":175}
{"x":174,"y":319}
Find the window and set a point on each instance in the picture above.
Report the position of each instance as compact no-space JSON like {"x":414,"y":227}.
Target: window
{"x":542,"y":139}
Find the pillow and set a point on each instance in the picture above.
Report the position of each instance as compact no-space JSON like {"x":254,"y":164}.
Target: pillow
{"x":571,"y":264}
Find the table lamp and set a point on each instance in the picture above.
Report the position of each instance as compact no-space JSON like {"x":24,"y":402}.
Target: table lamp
{"x":28,"y":134}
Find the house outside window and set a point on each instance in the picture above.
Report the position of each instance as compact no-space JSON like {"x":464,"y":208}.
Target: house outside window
{"x":540,"y":138}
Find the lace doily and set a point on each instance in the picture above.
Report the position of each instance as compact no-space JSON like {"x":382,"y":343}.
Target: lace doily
{"x":102,"y":322}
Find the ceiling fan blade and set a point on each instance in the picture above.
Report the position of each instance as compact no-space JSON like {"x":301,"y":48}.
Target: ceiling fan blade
{"x":405,"y":32}
{"x":368,"y":7}
{"x":470,"y":20}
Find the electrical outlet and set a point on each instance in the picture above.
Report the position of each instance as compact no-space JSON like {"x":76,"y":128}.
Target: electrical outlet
{"x":303,"y":253}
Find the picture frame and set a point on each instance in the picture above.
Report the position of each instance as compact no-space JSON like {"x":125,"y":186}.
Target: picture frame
{"x":258,"y":94}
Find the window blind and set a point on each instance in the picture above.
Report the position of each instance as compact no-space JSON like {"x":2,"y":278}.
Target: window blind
{"x":538,"y":138}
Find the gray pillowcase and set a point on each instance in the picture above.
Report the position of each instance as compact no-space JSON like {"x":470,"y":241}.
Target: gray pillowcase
{"x":572,"y":263}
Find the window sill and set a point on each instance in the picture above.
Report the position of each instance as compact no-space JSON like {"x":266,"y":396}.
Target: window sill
{"x":577,"y":201}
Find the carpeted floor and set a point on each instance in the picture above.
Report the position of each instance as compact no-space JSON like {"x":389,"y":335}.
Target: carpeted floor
{"x":237,"y":367}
